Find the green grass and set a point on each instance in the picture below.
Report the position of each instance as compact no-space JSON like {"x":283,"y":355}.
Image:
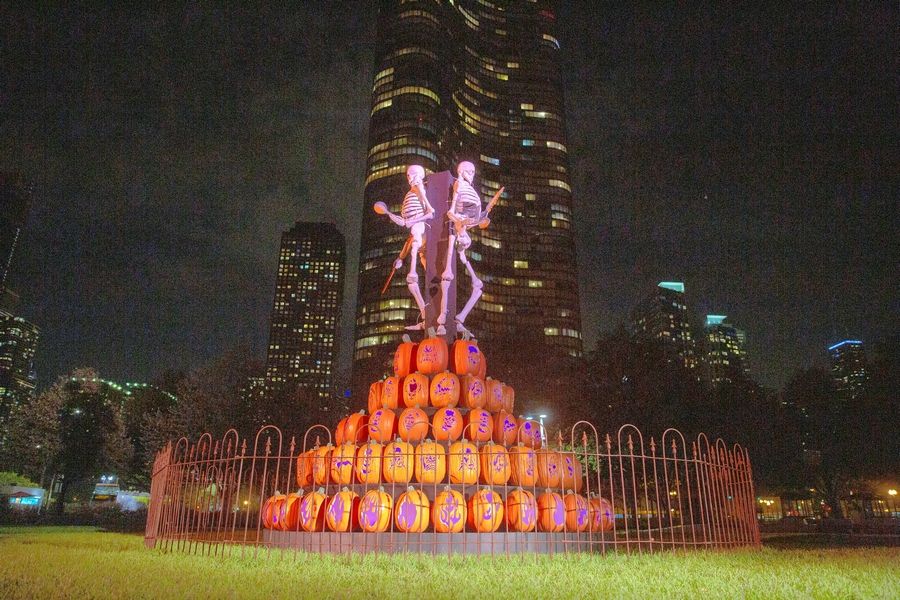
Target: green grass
{"x":83,"y":563}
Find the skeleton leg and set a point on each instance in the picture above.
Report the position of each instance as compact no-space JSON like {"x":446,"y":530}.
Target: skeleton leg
{"x":412,"y":279}
{"x":446,"y":280}
{"x":477,"y":286}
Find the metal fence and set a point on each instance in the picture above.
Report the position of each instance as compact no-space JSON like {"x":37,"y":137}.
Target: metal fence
{"x":588,"y":493}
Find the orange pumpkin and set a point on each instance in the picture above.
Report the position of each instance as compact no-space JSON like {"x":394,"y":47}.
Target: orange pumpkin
{"x":509,"y":398}
{"x":524,"y":467}
{"x":322,"y":465}
{"x":577,"y":512}
{"x":312,"y":517}
{"x":355,"y":429}
{"x":290,"y":512}
{"x":339,"y":432}
{"x":383,"y":425}
{"x":463,"y":458}
{"x":375,"y":510}
{"x":270,"y":510}
{"x":549,"y":469}
{"x":493,"y":391}
{"x":413,"y":511}
{"x":304,"y":469}
{"x":601,"y":514}
{"x":390,"y":392}
{"x":398,"y":462}
{"x":447,"y":424}
{"x":481,"y":372}
{"x":374,"y":401}
{"x":413,"y":425}
{"x":506,"y":428}
{"x":342,"y":459}
{"x":494,"y":464}
{"x":485,"y":511}
{"x":368,"y":463}
{"x":342,"y":511}
{"x":449,"y":512}
{"x":431,"y":356}
{"x":465,"y":357}
{"x":405,"y":359}
{"x":415,"y":390}
{"x":479,"y":425}
{"x":521,"y":510}
{"x":444,"y":390}
{"x":570,"y":477}
{"x":530,"y":433}
{"x":551,"y":512}
{"x":431,"y":462}
{"x":472,"y":394}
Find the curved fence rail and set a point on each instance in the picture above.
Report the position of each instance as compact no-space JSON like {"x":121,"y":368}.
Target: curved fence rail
{"x":590,"y":493}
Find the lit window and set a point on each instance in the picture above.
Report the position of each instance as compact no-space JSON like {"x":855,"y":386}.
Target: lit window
{"x":520,"y":264}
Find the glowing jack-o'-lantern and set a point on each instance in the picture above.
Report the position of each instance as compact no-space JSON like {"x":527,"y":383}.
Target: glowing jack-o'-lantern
{"x":530,"y":433}
{"x":444,"y":390}
{"x":413,"y":425}
{"x":493,"y":395}
{"x":342,"y":459}
{"x":383,"y":425}
{"x":431,"y":356}
{"x":479,"y":425}
{"x":449,"y":512}
{"x":305,"y":469}
{"x":289,"y":512}
{"x":521,"y":510}
{"x":447,"y":424}
{"x":342,"y":511}
{"x":549,"y":468}
{"x":355,"y":429}
{"x":390,"y":392}
{"x":551,"y":512}
{"x":413,"y":511}
{"x":270,"y":511}
{"x":601,"y":514}
{"x":471,"y":392}
{"x":524,"y":466}
{"x":397,"y":462}
{"x":375,"y":510}
{"x":431,"y":462}
{"x":577,"y":512}
{"x":485,"y":511}
{"x":463,"y":459}
{"x":415,"y":390}
{"x":339,"y":431}
{"x":570,"y":476}
{"x":368,"y":463}
{"x":495,"y":468}
{"x":374,"y":401}
{"x":312,"y":517}
{"x":405,"y":359}
{"x":321,"y":467}
{"x":465,"y":357}
{"x":506,"y":428}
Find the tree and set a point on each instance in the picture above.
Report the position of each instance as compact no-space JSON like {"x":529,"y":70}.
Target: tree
{"x":33,"y":435}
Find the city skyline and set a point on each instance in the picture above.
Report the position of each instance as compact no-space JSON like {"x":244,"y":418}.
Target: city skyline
{"x":157,"y":213}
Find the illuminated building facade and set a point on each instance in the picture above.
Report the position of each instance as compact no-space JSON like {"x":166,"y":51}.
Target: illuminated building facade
{"x":725,"y":351}
{"x":664,"y":316}
{"x":305,"y":315}
{"x":18,"y":344}
{"x":478,"y":81}
{"x":848,"y":368}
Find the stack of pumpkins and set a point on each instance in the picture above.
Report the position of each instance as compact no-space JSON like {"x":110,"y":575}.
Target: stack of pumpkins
{"x":439,"y":422}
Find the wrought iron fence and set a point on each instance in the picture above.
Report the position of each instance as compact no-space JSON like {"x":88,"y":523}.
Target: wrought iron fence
{"x":590,"y":493}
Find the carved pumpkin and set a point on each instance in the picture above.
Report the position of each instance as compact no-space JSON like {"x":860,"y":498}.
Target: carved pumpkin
{"x":551,"y":512}
{"x":375,"y":510}
{"x":509,"y":398}
{"x":493,"y":391}
{"x":577,"y":512}
{"x":479,"y":425}
{"x":290,"y":512}
{"x":368,"y":463}
{"x":481,"y":372}
{"x":601,"y":514}
{"x":463,"y":459}
{"x":390,"y":393}
{"x":506,"y":428}
{"x":355,"y":429}
{"x":431,"y":462}
{"x":374,"y":401}
{"x":465,"y":357}
{"x":413,"y":425}
{"x":431,"y":356}
{"x":339,"y":432}
{"x":521,"y":510}
{"x":472,"y":393}
{"x":413,"y":511}
{"x":322,"y":465}
{"x":415,"y":390}
{"x":305,"y":469}
{"x":494,"y":464}
{"x":444,"y":390}
{"x":524,"y":466}
{"x":270,"y":510}
{"x":397,"y":462}
{"x":342,"y":459}
{"x":342,"y":511}
{"x":405,"y":359}
{"x":570,"y":474}
{"x":312,"y":517}
{"x":530,"y":433}
{"x":383,"y":425}
{"x":449,"y":512}
{"x":549,"y":469}
{"x":485,"y":511}
{"x":447,"y":424}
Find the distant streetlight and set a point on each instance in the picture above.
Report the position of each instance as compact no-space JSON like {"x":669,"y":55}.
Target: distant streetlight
{"x":892,"y":492}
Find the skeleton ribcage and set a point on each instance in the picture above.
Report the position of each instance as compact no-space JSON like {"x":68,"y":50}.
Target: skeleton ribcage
{"x":412,"y":206}
{"x":468,"y":203}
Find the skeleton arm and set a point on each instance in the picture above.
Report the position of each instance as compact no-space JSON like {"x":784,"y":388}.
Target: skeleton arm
{"x":483,"y":220}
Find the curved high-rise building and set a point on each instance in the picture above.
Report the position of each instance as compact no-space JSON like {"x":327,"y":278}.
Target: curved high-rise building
{"x":472,"y":80}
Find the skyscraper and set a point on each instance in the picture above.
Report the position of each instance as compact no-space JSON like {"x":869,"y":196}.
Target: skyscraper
{"x":18,"y":344}
{"x":664,"y":316}
{"x":478,"y":81}
{"x":309,"y":288}
{"x":15,"y":199}
{"x":725,"y":354}
{"x":848,"y":368}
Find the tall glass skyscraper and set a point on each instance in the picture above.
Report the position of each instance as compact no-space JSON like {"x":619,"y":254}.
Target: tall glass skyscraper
{"x":478,"y":81}
{"x":663,"y":316}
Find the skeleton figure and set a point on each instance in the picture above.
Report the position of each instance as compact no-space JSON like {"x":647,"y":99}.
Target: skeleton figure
{"x":413,"y":214}
{"x":465,"y":212}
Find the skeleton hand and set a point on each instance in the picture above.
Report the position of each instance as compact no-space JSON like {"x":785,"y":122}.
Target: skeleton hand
{"x":397,"y":219}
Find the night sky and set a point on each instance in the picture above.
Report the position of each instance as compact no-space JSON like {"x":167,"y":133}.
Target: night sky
{"x":750,"y":152}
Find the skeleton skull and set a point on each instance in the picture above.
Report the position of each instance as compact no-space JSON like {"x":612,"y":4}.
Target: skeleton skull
{"x":466,"y":170}
{"x":414,"y":175}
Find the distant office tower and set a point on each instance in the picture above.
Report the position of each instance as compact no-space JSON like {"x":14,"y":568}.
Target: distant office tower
{"x":664,"y":316}
{"x":475,"y":81}
{"x":848,"y":368}
{"x":15,"y":199}
{"x":725,"y":351}
{"x":18,"y":343}
{"x":303,"y":338}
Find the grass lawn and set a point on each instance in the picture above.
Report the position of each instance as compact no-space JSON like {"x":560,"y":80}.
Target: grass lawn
{"x":53,"y":562}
